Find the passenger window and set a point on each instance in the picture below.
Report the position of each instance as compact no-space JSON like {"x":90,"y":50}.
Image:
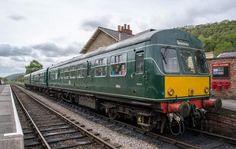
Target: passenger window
{"x":100,"y":67}
{"x":67,"y":73}
{"x":139,"y":62}
{"x":82,"y":70}
{"x":73,"y":72}
{"x":118,"y":65}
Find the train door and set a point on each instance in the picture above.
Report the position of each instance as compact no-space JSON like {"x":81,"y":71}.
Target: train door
{"x":139,"y":75}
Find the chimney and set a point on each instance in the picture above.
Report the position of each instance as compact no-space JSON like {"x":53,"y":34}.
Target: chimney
{"x":125,"y":29}
{"x":119,"y":28}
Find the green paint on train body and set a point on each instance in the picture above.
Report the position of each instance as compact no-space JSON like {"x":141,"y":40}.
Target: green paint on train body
{"x":145,"y":86}
{"x":39,"y":78}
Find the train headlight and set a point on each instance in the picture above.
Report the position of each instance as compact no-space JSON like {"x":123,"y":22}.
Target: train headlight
{"x":206,"y":90}
{"x":171,"y":91}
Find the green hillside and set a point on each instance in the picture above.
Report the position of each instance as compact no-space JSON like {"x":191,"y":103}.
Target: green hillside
{"x":217,"y":37}
{"x":14,"y":77}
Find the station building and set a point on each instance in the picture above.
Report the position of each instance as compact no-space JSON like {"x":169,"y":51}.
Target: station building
{"x":104,"y":37}
{"x":223,"y":75}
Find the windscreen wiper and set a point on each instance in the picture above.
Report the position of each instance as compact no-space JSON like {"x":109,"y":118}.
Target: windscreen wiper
{"x":165,"y":54}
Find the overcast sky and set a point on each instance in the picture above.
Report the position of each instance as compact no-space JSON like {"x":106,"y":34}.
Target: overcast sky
{"x":54,"y":30}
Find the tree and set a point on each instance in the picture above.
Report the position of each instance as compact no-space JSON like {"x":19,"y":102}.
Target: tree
{"x":33,"y":66}
{"x":216,"y":37}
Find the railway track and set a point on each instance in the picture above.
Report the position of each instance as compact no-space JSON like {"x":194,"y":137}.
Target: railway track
{"x":223,"y":124}
{"x":31,"y":139}
{"x":187,"y":140}
{"x":48,"y":128}
{"x":222,"y":137}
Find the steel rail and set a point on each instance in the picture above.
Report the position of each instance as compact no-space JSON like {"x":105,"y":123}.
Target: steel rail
{"x":88,"y":133}
{"x":150,"y":134}
{"x":159,"y":136}
{"x":43,"y":140}
{"x":231,"y":140}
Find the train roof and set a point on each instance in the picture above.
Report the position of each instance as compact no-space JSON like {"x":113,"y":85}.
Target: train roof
{"x":140,"y":37}
{"x":27,"y":75}
{"x":39,"y":71}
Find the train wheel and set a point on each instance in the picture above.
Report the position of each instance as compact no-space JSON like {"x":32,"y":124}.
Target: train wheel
{"x":112,"y":113}
{"x":147,"y":123}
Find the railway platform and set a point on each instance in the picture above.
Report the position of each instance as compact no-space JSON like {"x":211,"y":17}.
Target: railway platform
{"x":11,"y":135}
{"x":229,"y":104}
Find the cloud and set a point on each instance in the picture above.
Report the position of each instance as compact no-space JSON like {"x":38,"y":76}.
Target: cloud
{"x":92,"y":23}
{"x":44,"y":49}
{"x":192,"y":12}
{"x":17,"y":17}
{"x":13,"y":59}
{"x":9,"y":50}
{"x":53,"y":50}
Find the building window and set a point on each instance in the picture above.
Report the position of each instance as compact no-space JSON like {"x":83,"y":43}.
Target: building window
{"x":139,"y":62}
{"x":118,"y":65}
{"x":100,"y":66}
{"x":220,"y":70}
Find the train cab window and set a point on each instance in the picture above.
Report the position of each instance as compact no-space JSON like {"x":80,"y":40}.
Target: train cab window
{"x":139,"y":62}
{"x":170,"y":60}
{"x":118,"y":65}
{"x":187,"y":60}
{"x":201,"y":62}
{"x":100,"y":67}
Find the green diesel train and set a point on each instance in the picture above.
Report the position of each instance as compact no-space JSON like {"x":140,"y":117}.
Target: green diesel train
{"x":158,"y":78}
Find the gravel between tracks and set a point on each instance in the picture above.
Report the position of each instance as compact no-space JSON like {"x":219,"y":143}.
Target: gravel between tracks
{"x":135,"y":140}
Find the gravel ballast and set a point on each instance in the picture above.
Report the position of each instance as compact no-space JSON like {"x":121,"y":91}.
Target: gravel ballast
{"x":126,"y":140}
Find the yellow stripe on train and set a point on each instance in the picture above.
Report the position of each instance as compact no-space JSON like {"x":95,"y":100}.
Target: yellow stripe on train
{"x":184,"y":86}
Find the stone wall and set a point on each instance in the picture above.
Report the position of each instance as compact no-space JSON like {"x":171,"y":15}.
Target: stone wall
{"x":231,"y":91}
{"x":102,"y":40}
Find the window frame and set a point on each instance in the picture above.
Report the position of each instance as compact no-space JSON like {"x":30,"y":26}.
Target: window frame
{"x":196,"y":64}
{"x":123,"y":61}
{"x":73,"y":72}
{"x":177,"y":57}
{"x":81,"y":68}
{"x":193,"y":62}
{"x":225,"y":69}
{"x":141,"y":51}
{"x":98,"y":65}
